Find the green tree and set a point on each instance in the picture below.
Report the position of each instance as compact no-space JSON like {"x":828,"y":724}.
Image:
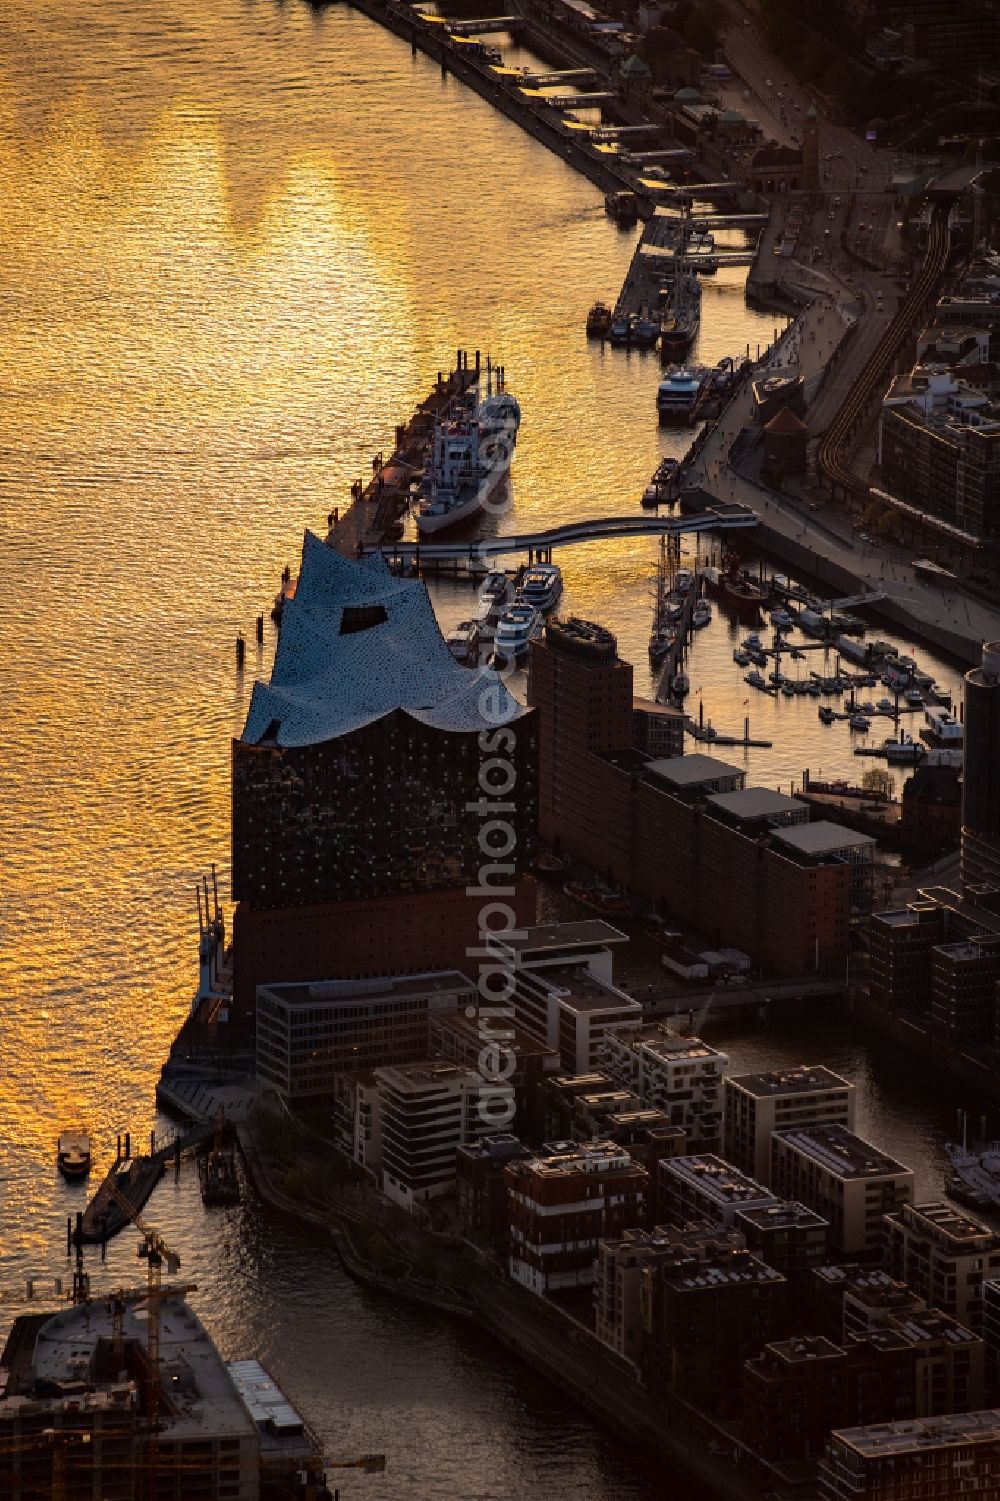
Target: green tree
{"x":878,"y":782}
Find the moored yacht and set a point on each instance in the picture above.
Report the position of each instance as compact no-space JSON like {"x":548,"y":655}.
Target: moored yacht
{"x":541,"y":585}
{"x":463,"y":642}
{"x":516,"y":628}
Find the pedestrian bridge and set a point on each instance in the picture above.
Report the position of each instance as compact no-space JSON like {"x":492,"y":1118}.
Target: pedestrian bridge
{"x":722,"y":517}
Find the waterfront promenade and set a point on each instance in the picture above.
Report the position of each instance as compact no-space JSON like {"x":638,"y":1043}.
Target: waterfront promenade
{"x":823,"y":539}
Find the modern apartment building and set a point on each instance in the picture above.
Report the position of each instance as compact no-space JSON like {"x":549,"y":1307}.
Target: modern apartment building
{"x":939,"y":450}
{"x":944,"y":1256}
{"x":702,"y":1318}
{"x":939,"y":1459}
{"x":851,"y":1183}
{"x":792,"y":1239}
{"x":681,"y":1076}
{"x":991,"y":1334}
{"x":562,"y":1204}
{"x":794,"y":1392}
{"x":482,"y":1187}
{"x":855,"y":1299}
{"x":619,"y":1271}
{"x":427,"y":1111}
{"x":756,"y":1105}
{"x":570,"y":1010}
{"x":309,"y":1033}
{"x":706,"y":1187}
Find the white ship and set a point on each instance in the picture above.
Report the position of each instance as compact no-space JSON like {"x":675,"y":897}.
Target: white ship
{"x":681,"y":394}
{"x":541,"y":586}
{"x":516,"y":629}
{"x":471,"y":458}
{"x":976,"y":1174}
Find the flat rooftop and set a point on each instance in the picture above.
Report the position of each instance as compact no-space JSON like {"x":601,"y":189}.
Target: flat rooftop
{"x":802,"y":1079}
{"x":717,"y":1179}
{"x":663,"y":711}
{"x":381,"y":988}
{"x":567,"y":1157}
{"x":944,"y":1222}
{"x":758,"y":802}
{"x":842,"y":1153}
{"x":799,"y":1349}
{"x":415,"y":1078}
{"x":653,"y":1037}
{"x":786,"y":1215}
{"x":952,"y":1431}
{"x":585,"y":993}
{"x":694,"y":770}
{"x":588,"y":933}
{"x":824,"y":838}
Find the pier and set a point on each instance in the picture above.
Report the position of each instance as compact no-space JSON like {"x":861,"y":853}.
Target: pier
{"x":133,"y":1179}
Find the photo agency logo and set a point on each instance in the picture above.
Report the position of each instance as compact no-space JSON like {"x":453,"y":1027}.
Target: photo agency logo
{"x":496,"y":808}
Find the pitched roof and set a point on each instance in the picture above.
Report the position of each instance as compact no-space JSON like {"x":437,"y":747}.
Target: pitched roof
{"x":356,"y":644}
{"x":785,"y":421}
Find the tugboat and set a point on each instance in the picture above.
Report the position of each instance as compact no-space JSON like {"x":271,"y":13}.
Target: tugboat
{"x":218,"y":1177}
{"x":74,"y":1154}
{"x":623,"y":206}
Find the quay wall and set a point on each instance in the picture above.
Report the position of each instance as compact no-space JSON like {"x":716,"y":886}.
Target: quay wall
{"x":553,"y":1344}
{"x":978,"y":1076}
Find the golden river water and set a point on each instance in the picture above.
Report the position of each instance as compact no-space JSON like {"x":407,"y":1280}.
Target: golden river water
{"x":238,"y":241}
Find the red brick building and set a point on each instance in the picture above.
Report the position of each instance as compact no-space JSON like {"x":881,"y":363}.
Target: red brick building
{"x":640,"y":826}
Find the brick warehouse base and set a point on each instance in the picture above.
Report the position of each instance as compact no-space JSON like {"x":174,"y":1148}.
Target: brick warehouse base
{"x":400,"y":934}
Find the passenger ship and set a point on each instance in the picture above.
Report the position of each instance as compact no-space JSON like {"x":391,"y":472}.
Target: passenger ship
{"x":471,"y":458}
{"x":682,"y":393}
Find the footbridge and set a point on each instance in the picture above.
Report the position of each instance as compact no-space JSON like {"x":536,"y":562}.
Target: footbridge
{"x":720,"y":518}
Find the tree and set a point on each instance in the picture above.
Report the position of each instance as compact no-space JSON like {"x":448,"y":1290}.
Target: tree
{"x":878,"y":782}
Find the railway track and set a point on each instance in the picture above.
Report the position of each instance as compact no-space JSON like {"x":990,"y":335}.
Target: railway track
{"x":833,"y":466}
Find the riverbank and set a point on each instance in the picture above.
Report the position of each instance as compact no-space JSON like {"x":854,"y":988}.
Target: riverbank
{"x":383,"y":1249}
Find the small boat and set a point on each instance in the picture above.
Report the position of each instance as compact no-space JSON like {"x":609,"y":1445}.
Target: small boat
{"x":753,"y":641}
{"x":683,"y":579}
{"x":701,"y":615}
{"x":777,"y":677}
{"x":646,"y":331}
{"x":661,"y":640}
{"x":680,"y":686}
{"x":548,"y":864}
{"x":781,"y":620}
{"x":619,"y":330}
{"x":463,"y":642}
{"x":859,"y":722}
{"x":741,"y":658}
{"x":73,"y":1154}
{"x":517,"y":627}
{"x":609,"y":902}
{"x":903,"y":752}
{"x":623,"y":206}
{"x":885,"y":704}
{"x":915,"y":698}
{"x":599,"y":321}
{"x":755,"y":679}
{"x":667,"y":471}
{"x":826,"y":714}
{"x":541,"y":586}
{"x":219,"y":1180}
{"x":758,"y":657}
{"x":788,"y":689}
